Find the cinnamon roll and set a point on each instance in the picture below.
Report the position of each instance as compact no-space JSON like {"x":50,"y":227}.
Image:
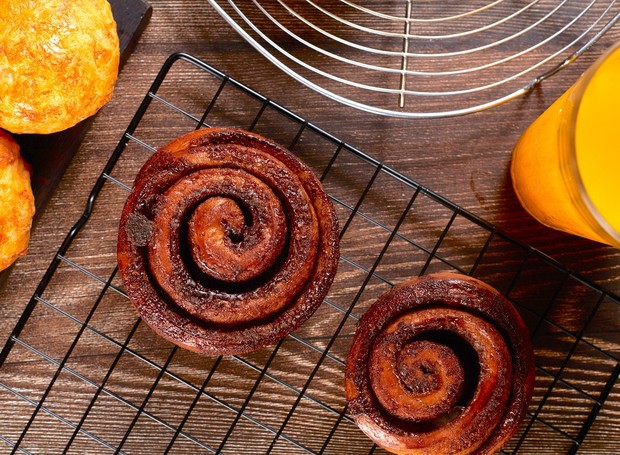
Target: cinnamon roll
{"x":227,"y":242}
{"x":441,"y":364}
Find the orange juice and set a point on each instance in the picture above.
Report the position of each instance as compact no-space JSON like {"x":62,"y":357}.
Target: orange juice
{"x":566,"y":166}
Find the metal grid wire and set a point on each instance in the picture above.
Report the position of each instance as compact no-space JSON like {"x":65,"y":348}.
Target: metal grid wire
{"x":420,"y":58}
{"x":103,"y":382}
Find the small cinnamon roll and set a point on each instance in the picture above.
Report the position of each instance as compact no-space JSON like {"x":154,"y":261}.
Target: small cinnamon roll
{"x":440,"y":364}
{"x":227,"y":242}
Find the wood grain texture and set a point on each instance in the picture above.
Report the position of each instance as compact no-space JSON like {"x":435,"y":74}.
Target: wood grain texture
{"x":465,"y":159}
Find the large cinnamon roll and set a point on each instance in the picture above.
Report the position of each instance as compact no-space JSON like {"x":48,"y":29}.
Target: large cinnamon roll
{"x":227,"y":242}
{"x":441,"y":364}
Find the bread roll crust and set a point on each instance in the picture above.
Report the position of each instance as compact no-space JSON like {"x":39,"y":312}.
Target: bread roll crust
{"x":58,"y":62}
{"x":16,"y":202}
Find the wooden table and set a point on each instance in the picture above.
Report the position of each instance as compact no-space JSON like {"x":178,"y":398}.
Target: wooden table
{"x":464,"y":159}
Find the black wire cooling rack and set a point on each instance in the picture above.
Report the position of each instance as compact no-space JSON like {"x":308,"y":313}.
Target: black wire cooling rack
{"x":104,"y":383}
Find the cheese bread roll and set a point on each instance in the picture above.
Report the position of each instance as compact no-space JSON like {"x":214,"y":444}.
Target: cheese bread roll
{"x":58,"y":62}
{"x":16,"y":202}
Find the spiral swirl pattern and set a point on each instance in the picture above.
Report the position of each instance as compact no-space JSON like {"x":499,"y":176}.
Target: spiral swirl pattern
{"x":227,"y":242}
{"x":440,"y":364}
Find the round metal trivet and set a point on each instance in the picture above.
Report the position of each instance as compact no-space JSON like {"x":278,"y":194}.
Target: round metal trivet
{"x":420,"y":58}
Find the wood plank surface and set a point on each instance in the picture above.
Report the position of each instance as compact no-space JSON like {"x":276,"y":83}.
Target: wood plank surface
{"x":113,"y":381}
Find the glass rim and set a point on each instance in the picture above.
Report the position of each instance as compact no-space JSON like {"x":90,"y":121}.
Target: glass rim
{"x":593,"y":215}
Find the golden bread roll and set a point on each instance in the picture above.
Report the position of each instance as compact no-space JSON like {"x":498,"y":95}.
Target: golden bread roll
{"x":58,"y":62}
{"x":16,"y":202}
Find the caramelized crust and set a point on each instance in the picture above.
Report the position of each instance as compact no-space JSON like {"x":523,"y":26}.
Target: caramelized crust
{"x":227,"y":242}
{"x":16,"y":202}
{"x":440,"y":364}
{"x":58,"y":62}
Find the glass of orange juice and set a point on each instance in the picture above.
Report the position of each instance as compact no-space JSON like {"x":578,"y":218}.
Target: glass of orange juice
{"x":566,"y":166}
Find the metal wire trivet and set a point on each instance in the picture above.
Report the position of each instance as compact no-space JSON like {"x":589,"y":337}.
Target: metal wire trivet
{"x":103,"y":382}
{"x":420,"y":58}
